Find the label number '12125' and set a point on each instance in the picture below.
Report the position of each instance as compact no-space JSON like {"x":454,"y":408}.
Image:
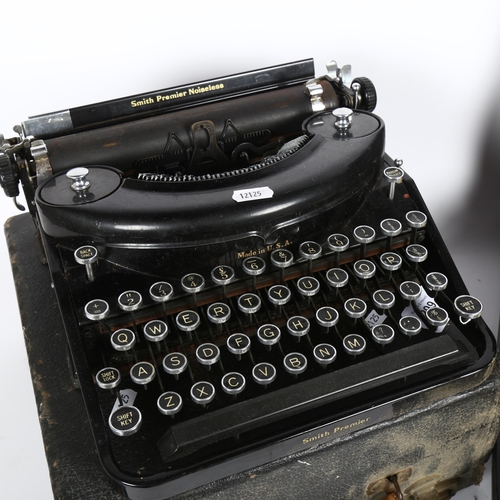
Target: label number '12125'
{"x":252,"y":194}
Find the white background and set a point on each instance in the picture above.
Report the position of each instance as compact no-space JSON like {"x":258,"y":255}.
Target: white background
{"x":435,"y":65}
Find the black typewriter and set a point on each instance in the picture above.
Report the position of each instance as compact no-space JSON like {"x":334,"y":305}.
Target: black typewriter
{"x":238,"y":265}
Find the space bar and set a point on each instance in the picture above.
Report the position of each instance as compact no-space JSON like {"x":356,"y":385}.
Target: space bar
{"x":187,"y":437}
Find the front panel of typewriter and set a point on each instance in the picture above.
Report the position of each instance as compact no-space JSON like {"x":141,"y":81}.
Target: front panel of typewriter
{"x":221,"y":314}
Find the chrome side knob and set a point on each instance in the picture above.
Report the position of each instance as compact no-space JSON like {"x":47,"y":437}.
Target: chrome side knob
{"x":79,"y":177}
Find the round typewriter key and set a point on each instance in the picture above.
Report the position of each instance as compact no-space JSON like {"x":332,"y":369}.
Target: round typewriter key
{"x":222,"y":275}
{"x":324,"y":354}
{"x":410,"y":325}
{"x":282,"y":258}
{"x":298,"y":326}
{"x":383,"y":299}
{"x":410,"y":290}
{"x":233,"y":383}
{"x":391,"y":227}
{"x":174,"y":363}
{"x":202,"y":393}
{"x":125,"y":420}
{"x":416,"y":253}
{"x":338,"y":242}
{"x":279,"y":295}
{"x":264,"y":373}
{"x":327,"y":316}
{"x":249,"y":303}
{"x":468,"y":307}
{"x":193,"y":283}
{"x":238,"y":343}
{"x":130,"y":300}
{"x":336,"y":277}
{"x":383,"y":334}
{"x":391,"y":261}
{"x":155,"y":330}
{"x":108,"y":378}
{"x":161,"y":291}
{"x":187,"y":321}
{"x":354,"y":344}
{"x":295,"y":363}
{"x":207,"y":354}
{"x":86,"y":256}
{"x":416,"y":219}
{"x":437,"y":316}
{"x":123,"y":339}
{"x":436,"y":281}
{"x":364,"y":234}
{"x":96,"y":309}
{"x":254,"y":266}
{"x":308,"y":286}
{"x":218,"y":312}
{"x":268,"y":334}
{"x":310,"y":250}
{"x":364,"y":269}
{"x":142,"y":373}
{"x":169,"y":403}
{"x":355,"y":308}
{"x":394,"y":175}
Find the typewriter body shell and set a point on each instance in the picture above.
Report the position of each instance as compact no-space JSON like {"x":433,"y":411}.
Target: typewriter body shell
{"x":254,"y":185}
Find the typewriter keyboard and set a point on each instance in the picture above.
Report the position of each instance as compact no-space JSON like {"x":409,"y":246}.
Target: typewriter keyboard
{"x":284,"y":333}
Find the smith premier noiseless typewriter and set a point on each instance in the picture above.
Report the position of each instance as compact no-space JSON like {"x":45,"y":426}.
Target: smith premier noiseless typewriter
{"x":242,"y":272}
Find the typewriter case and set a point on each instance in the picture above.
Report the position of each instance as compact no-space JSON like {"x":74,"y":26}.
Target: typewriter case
{"x":428,"y":431}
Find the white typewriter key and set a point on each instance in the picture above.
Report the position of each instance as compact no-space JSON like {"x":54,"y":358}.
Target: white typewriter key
{"x":202,"y":393}
{"x":298,"y":326}
{"x":264,"y":373}
{"x":193,"y":283}
{"x":295,"y":363}
{"x":268,"y":335}
{"x":218,"y":313}
{"x":327,"y":316}
{"x":96,"y":309}
{"x":161,"y":291}
{"x":155,"y":330}
{"x":238,"y":344}
{"x":436,"y":281}
{"x":142,"y":373}
{"x":187,"y":321}
{"x":108,"y":378}
{"x":383,"y":334}
{"x":279,"y":295}
{"x":130,"y":300}
{"x":222,"y":275}
{"x":410,"y":325}
{"x":233,"y":383}
{"x":383,"y":299}
{"x":468,"y":307}
{"x":86,"y":256}
{"x":410,"y":290}
{"x":123,"y":339}
{"x":125,"y":420}
{"x":324,"y":354}
{"x":174,"y":363}
{"x":355,"y":308}
{"x":437,"y":316}
{"x":207,"y":354}
{"x":354,"y":344}
{"x":169,"y":403}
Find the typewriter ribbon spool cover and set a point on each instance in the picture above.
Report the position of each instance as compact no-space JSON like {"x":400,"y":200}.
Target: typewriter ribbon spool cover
{"x":242,"y":272}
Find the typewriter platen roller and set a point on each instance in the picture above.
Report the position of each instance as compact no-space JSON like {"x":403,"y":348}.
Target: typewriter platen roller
{"x":237,"y":263}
